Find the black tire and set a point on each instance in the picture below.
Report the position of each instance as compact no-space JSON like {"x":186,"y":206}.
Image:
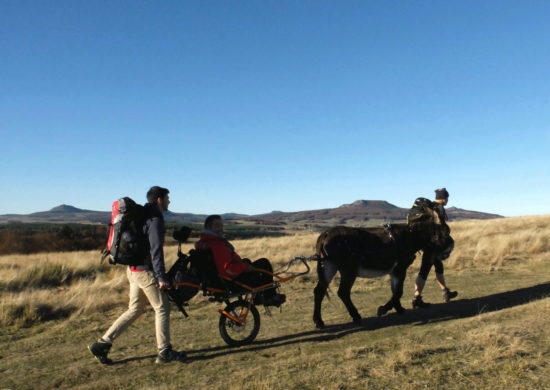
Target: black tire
{"x":234,"y":333}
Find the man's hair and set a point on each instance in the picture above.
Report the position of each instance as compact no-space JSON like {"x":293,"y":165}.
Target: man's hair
{"x":210,"y":219}
{"x":156,"y":192}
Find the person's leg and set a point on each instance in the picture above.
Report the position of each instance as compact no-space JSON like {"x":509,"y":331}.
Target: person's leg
{"x":101,"y":348}
{"x":425,"y":268}
{"x":440,"y":280}
{"x":439,"y":276}
{"x":419,"y":284}
{"x":161,"y":305}
{"x":258,"y":278}
{"x":271,"y":297}
{"x":421,"y":278}
{"x":264,"y":278}
{"x":136,"y":307}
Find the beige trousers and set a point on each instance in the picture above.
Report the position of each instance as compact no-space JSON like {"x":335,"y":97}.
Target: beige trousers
{"x":143,"y":289}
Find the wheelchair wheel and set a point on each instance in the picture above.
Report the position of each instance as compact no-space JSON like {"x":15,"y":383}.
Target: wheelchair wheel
{"x":236,"y":333}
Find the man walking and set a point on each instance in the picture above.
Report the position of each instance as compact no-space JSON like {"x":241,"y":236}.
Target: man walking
{"x":147,"y":283}
{"x":429,"y":259}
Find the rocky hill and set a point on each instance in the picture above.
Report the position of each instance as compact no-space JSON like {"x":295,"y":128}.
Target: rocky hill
{"x":358,"y":212}
{"x":70,"y":214}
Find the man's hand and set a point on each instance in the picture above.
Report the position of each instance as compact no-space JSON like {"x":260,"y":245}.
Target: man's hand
{"x":165,"y":286}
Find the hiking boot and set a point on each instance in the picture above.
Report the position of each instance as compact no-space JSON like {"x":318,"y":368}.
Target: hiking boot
{"x":167,"y":355}
{"x":418,"y":303}
{"x":100,"y":351}
{"x":275,"y":300}
{"x":448,"y":295}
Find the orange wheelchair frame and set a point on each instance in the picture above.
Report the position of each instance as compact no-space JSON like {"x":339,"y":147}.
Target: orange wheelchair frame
{"x":239,"y":322}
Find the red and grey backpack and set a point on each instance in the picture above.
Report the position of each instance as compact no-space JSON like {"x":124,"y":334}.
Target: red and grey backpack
{"x":127,"y":243}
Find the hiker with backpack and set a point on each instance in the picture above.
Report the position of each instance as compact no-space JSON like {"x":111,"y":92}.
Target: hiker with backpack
{"x":136,"y":239}
{"x":430,"y":258}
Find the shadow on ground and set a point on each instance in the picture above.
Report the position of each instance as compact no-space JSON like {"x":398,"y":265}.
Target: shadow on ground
{"x":461,"y":308}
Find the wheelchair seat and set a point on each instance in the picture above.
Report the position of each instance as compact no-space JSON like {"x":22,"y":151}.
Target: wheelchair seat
{"x":202,"y":261}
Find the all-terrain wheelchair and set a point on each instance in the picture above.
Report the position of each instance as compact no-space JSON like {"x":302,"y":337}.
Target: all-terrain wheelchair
{"x":239,"y":322}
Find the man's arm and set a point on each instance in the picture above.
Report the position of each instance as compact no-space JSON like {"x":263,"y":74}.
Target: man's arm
{"x":228,"y":262}
{"x":155,"y":235}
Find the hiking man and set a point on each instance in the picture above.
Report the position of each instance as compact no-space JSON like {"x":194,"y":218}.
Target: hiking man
{"x":441,"y":200}
{"x":230,"y":265}
{"x":147,"y":283}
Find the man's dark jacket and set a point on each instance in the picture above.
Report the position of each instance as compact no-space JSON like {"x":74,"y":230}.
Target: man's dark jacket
{"x":153,"y":229}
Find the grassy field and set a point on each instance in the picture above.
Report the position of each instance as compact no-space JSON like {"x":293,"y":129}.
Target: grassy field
{"x":494,"y":335}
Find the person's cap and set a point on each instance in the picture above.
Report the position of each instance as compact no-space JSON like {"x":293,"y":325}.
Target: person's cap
{"x":441,"y":193}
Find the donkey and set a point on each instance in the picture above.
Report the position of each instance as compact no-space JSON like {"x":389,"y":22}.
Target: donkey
{"x":373,"y":252}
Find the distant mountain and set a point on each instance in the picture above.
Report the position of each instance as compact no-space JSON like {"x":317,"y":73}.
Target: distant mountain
{"x":60,"y":214}
{"x":70,"y":214}
{"x":456,"y":213}
{"x":358,"y":212}
{"x":170,"y":216}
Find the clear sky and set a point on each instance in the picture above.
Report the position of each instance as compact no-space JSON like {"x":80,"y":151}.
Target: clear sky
{"x":253,"y":106}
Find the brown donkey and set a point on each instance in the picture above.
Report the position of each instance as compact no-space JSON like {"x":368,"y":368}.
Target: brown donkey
{"x":373,"y":252}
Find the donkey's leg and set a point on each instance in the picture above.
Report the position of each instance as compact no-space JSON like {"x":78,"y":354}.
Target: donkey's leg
{"x":398,"y":274}
{"x":397,"y":280}
{"x":344,"y":292}
{"x":326,"y":269}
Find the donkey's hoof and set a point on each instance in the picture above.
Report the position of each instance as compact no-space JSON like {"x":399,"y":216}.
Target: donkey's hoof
{"x":381,"y":311}
{"x":357,"y":319}
{"x":319,"y":324}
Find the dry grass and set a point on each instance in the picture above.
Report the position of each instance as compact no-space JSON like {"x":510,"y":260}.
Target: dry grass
{"x":66,"y":300}
{"x":496,"y":242}
{"x":75,"y":282}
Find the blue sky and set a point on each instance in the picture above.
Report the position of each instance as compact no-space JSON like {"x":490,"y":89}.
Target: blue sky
{"x":253,"y":106}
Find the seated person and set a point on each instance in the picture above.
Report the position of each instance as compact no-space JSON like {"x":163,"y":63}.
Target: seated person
{"x":230,"y":265}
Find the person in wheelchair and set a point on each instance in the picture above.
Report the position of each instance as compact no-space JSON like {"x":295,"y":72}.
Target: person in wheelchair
{"x":230,"y":265}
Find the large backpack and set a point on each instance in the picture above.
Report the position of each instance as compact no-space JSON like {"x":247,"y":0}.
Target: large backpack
{"x":418,"y":209}
{"x":127,"y":243}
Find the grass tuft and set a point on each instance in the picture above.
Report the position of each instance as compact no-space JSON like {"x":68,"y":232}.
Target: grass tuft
{"x":28,"y":314}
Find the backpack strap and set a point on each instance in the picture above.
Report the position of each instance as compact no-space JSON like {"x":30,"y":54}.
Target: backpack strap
{"x":104,"y":254}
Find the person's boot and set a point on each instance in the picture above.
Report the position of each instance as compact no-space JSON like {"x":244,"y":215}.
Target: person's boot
{"x":100,"y":350}
{"x":167,"y":355}
{"x":418,"y":303}
{"x":448,"y":295}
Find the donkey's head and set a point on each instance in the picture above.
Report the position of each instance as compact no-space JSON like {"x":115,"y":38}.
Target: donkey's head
{"x":424,"y":219}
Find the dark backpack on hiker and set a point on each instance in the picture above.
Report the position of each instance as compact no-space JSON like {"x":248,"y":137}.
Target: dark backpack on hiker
{"x":127,"y":243}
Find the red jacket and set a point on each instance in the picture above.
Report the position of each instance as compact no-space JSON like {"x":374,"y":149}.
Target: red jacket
{"x":228,"y":262}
